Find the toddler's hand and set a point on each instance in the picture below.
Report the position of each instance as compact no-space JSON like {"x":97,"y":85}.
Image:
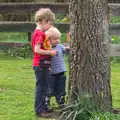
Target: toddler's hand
{"x":67,"y":48}
{"x":53,"y":52}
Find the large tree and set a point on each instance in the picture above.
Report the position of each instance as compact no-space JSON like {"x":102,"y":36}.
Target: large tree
{"x":89,"y":60}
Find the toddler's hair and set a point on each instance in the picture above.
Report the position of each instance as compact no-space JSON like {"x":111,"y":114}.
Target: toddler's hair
{"x":53,"y":32}
{"x":44,"y":14}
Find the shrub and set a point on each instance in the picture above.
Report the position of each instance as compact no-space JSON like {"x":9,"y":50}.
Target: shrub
{"x":20,"y":52}
{"x":104,"y":116}
{"x":82,"y":109}
{"x":85,"y":108}
{"x":115,"y":39}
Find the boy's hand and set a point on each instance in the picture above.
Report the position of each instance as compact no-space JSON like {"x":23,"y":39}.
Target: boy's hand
{"x":53,"y":52}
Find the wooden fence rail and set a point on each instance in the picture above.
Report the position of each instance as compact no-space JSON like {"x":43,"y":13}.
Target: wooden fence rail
{"x":32,"y":7}
{"x":114,"y":9}
{"x":29,"y":27}
{"x":56,"y":7}
{"x":114,"y":49}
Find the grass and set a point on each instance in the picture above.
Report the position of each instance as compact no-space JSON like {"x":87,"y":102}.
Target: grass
{"x":17,"y":83}
{"x":114,"y":19}
{"x":19,"y":37}
{"x":16,"y":90}
{"x":13,"y":37}
{"x":115,"y":84}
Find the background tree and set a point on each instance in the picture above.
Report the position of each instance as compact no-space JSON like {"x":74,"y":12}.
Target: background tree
{"x":90,"y":65}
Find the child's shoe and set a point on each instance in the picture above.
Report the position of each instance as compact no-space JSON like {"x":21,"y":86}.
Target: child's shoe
{"x":61,"y":102}
{"x":61,"y":106}
{"x":43,"y":114}
{"x":48,"y":109}
{"x":47,"y":105}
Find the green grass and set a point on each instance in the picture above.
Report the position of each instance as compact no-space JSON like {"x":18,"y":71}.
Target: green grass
{"x":115,"y":19}
{"x":17,"y":83}
{"x":115,"y":84}
{"x":19,"y":37}
{"x":16,"y":90}
{"x":13,"y":37}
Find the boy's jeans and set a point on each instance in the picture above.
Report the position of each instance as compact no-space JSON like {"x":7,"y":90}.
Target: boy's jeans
{"x":57,"y":86}
{"x":41,"y":74}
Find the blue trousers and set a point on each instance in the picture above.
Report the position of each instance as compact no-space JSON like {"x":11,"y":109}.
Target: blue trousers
{"x":57,"y":85}
{"x":41,"y":92}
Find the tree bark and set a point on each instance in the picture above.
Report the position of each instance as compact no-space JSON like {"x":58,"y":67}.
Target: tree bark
{"x":89,"y":59}
{"x":113,"y":1}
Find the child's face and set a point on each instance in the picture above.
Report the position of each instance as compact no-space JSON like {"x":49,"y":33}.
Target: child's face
{"x":54,"y":41}
{"x":47,"y":25}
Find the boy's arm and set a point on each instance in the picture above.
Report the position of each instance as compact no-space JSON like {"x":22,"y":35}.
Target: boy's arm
{"x":44,"y":52}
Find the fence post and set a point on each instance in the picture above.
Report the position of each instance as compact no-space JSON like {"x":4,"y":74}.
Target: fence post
{"x":29,"y":19}
{"x":29,"y":37}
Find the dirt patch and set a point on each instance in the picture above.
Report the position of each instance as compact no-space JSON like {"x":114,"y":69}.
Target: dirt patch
{"x":54,"y":116}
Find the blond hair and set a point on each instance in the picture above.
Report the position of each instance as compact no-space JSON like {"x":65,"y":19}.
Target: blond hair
{"x":44,"y":14}
{"x":53,"y":32}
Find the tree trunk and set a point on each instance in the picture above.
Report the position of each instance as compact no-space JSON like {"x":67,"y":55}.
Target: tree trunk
{"x":89,"y":60}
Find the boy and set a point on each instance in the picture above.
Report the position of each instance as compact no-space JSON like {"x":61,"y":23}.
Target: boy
{"x":44,"y":19}
{"x":57,"y":78}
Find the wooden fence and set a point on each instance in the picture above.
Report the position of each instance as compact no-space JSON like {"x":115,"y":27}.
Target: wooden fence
{"x":57,"y":8}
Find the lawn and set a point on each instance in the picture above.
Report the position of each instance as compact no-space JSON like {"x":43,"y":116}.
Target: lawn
{"x":17,"y":83}
{"x":20,"y":37}
{"x":13,"y":37}
{"x":115,"y":84}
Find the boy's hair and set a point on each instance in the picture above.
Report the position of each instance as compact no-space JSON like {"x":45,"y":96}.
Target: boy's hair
{"x":44,"y":14}
{"x":53,"y":32}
